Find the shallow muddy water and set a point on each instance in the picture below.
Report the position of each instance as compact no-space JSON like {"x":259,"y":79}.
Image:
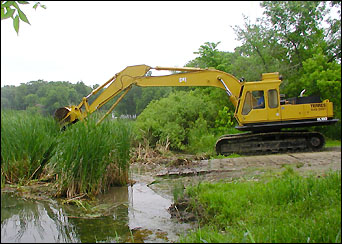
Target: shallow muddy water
{"x":132,"y":214}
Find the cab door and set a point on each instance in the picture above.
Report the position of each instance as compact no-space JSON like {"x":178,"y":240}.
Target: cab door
{"x":273,"y":107}
{"x":254,"y":107}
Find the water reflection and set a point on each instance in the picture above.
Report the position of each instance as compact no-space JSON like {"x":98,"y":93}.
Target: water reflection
{"x":130,"y":212}
{"x":149,"y":211}
{"x":113,"y":227}
{"x":31,"y":221}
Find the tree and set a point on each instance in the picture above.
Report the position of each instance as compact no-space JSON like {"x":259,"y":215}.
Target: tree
{"x":333,"y":34}
{"x":11,"y":9}
{"x":7,"y":95}
{"x":259,"y":46}
{"x":323,"y":78}
{"x":211,"y":57}
{"x":47,"y":96}
{"x":296,"y":26}
{"x":289,"y":33}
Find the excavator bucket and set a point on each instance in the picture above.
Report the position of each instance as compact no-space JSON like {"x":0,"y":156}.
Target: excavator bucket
{"x":68,"y":115}
{"x":61,"y":115}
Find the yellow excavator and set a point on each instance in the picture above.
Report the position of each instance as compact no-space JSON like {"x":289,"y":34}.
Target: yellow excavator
{"x":260,"y":110}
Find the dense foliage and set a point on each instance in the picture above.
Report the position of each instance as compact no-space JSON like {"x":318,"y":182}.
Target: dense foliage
{"x":80,"y":159}
{"x":173,"y":117}
{"x":42,"y":96}
{"x":188,"y":120}
{"x":27,"y":142}
{"x":45,"y":97}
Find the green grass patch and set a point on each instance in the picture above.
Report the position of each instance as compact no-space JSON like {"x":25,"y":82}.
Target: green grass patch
{"x":90,"y":158}
{"x":332,"y":143}
{"x":220,"y":156}
{"x":27,"y":141}
{"x":287,"y":208}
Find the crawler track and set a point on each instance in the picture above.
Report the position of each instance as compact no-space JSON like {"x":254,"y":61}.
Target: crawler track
{"x":270,"y":142}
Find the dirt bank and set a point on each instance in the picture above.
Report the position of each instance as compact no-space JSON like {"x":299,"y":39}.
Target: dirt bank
{"x":162,"y":174}
{"x":189,"y":165}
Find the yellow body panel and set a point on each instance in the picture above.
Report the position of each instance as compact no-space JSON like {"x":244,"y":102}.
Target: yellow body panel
{"x":306,"y":111}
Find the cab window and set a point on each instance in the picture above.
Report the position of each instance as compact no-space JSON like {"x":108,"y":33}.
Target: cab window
{"x":273,"y":98}
{"x":253,"y":100}
{"x":259,"y":98}
{"x":248,"y":104}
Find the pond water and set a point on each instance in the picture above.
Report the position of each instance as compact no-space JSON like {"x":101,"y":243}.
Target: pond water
{"x":133,"y":214}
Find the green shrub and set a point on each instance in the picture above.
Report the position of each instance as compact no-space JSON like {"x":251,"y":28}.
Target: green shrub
{"x":225,"y":120}
{"x":174,"y":118}
{"x":200,"y":139}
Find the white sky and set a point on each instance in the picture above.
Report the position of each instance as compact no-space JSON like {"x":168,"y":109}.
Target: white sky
{"x":91,"y":41}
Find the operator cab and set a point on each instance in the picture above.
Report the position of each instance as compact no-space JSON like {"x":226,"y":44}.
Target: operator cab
{"x":260,"y":101}
{"x":262,"y":108}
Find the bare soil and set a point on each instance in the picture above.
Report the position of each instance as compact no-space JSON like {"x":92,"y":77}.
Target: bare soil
{"x":216,"y":169}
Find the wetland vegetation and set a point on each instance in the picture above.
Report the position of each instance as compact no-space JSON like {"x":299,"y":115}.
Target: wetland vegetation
{"x":85,"y":159}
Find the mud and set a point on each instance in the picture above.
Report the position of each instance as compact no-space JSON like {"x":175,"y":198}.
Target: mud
{"x":189,"y":165}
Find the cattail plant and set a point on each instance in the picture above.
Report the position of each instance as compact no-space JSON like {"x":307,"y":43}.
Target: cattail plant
{"x":27,"y":143}
{"x":90,"y":158}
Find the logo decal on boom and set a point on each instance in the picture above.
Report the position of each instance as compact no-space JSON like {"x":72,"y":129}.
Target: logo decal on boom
{"x":182,"y":80}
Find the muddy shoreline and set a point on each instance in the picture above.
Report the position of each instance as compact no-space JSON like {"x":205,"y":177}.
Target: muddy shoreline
{"x":190,"y":165}
{"x":158,"y":169}
{"x":189,"y":170}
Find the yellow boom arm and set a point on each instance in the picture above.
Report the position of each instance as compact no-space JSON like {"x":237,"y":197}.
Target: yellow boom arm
{"x":136,"y":75}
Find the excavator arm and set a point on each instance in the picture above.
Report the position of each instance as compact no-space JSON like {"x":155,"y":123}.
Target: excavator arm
{"x":136,"y":75}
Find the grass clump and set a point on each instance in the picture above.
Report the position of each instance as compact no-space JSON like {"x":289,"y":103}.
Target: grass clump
{"x":27,"y":143}
{"x":332,"y":143}
{"x":289,"y":208}
{"x":90,"y":158}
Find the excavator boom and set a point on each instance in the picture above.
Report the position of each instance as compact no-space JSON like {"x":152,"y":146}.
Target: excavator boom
{"x":136,"y":75}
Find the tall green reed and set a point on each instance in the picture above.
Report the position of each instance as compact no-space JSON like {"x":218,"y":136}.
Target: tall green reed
{"x":27,"y":142}
{"x":90,"y":158}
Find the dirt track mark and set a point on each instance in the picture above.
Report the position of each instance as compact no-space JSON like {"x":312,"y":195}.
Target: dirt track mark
{"x":305,"y":161}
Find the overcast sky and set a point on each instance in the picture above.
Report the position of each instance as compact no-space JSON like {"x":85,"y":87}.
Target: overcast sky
{"x":91,"y":41}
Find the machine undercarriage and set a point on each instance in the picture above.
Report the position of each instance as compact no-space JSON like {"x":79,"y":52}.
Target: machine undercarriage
{"x":270,"y":142}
